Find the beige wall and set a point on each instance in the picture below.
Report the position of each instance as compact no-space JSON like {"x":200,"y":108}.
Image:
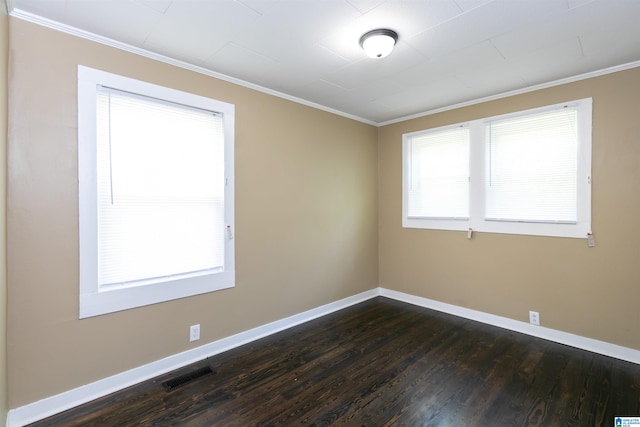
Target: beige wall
{"x":592,"y":292}
{"x":4,"y":59}
{"x":306,"y":219}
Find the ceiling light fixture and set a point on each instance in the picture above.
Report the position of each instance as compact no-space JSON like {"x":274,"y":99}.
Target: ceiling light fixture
{"x":378,"y":43}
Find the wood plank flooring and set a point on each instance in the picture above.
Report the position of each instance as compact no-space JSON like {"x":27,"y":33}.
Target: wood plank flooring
{"x":383,"y":363}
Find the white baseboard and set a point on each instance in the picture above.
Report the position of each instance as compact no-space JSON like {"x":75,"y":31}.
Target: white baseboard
{"x":49,"y":406}
{"x":44,"y":408}
{"x":595,"y":346}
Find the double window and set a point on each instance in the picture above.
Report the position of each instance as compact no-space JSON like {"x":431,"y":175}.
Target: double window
{"x":156,"y":193}
{"x":522,"y":173}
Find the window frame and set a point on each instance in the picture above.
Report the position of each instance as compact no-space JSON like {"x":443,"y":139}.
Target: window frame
{"x":477,"y":172}
{"x":93,"y":300}
{"x":437,"y":223}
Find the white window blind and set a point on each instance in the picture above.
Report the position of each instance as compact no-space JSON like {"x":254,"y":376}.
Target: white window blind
{"x":526,"y":172}
{"x":532,"y":167}
{"x":160,"y":189}
{"x":439,"y":174}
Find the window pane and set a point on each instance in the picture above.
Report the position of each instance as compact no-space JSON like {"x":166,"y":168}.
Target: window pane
{"x":532,"y":168}
{"x":160,"y":189}
{"x":439,"y":174}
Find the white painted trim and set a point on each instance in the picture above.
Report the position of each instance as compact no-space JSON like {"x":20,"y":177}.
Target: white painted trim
{"x":477,"y":193}
{"x":44,"y":408}
{"x":39,"y":20}
{"x":55,"y":404}
{"x":36,"y":19}
{"x":595,"y":346}
{"x":94,"y":300}
{"x":567,"y":80}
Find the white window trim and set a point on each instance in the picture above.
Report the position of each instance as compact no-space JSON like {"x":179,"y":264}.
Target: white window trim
{"x":478,"y":149}
{"x":93,"y":301}
{"x":431,"y":223}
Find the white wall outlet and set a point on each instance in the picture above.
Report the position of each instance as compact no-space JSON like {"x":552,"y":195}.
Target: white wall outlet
{"x":534,"y":318}
{"x":194,"y":333}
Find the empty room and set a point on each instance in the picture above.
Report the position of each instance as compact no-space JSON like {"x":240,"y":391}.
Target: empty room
{"x":320,"y":212}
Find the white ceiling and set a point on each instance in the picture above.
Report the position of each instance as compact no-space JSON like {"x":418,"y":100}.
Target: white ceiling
{"x":449,"y":52}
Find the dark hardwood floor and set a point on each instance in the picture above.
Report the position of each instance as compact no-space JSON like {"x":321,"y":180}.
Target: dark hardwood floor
{"x":383,"y":363}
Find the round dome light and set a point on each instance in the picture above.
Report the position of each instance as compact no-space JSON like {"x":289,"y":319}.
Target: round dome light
{"x":378,"y":43}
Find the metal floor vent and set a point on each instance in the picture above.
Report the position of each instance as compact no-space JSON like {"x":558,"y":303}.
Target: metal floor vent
{"x":176,"y":382}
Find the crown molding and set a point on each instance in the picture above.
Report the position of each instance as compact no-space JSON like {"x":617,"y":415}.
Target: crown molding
{"x":36,"y":19}
{"x":39,"y":20}
{"x":515,"y":92}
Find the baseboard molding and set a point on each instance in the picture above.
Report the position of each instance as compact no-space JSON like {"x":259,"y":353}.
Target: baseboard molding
{"x":44,"y":408}
{"x":595,"y":346}
{"x":49,"y":406}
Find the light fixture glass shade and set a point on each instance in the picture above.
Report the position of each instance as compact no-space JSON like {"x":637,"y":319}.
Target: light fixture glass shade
{"x":378,"y":43}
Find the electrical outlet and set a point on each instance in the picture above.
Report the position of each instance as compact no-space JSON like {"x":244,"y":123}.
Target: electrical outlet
{"x":194,"y":333}
{"x":534,"y":318}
